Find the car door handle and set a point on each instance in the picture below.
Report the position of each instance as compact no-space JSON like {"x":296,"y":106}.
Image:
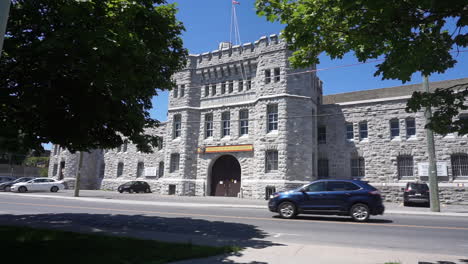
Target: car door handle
{"x":348,"y":194}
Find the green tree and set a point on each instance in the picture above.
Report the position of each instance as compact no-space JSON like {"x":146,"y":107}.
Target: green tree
{"x":411,"y":36}
{"x":82,"y":74}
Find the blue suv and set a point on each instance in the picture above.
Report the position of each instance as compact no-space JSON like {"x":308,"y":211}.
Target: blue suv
{"x":355,"y":198}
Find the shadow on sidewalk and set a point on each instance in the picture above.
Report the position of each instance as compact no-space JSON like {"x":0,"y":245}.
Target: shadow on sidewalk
{"x":335,"y":219}
{"x":182,"y":230}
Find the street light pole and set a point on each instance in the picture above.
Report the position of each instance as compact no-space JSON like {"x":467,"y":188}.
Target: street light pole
{"x":4,"y":11}
{"x":433,"y":184}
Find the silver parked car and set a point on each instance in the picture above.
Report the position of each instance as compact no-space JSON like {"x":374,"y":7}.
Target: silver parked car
{"x":38,"y":184}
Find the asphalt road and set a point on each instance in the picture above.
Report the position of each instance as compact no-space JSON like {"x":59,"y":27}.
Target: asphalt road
{"x":256,"y":228}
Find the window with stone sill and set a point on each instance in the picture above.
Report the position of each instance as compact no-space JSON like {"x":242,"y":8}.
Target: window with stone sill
{"x":267,"y":76}
{"x":208,"y":125}
{"x":160,"y":142}
{"x":249,"y":84}
{"x":120,"y":167}
{"x":175,"y":92}
{"x":394,"y":128}
{"x":182,"y":90}
{"x":140,"y":169}
{"x":277,"y":74}
{"x":363,"y":133}
{"x":177,"y":126}
{"x":405,"y":166}
{"x":322,"y":134}
{"x":241,"y":85}
{"x":161,"y":169}
{"x":322,"y":165}
{"x":223,"y":87}
{"x":410,"y":127}
{"x":231,"y":86}
{"x":226,"y":124}
{"x":272,"y":115}
{"x":207,"y":90}
{"x":175,"y":158}
{"x":459,"y":164}
{"x":55,"y":169}
{"x":271,"y":160}
{"x":244,"y":122}
{"x":358,"y":167}
{"x":213,"y":89}
{"x":349,"y":131}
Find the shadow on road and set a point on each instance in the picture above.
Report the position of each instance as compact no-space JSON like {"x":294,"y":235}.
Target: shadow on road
{"x":335,"y":219}
{"x":183,"y":230}
{"x":443,"y":262}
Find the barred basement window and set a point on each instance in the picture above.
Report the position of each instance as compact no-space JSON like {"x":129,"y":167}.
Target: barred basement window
{"x":267,"y":76}
{"x":241,"y":85}
{"x":271,"y":160}
{"x":459,"y":165}
{"x":405,"y":166}
{"x":161,"y":169}
{"x":226,"y":124}
{"x":349,"y":131}
{"x":120,"y":168}
{"x":277,"y":74}
{"x":231,"y":86}
{"x":207,"y":90}
{"x":394,"y":128}
{"x":208,"y":125}
{"x":322,"y":134}
{"x":363,"y":130}
{"x":410,"y":127}
{"x":140,"y":169}
{"x":358,"y":167}
{"x":175,"y":158}
{"x":244,"y":122}
{"x":177,"y":126}
{"x":322,"y":165}
{"x":272,"y":113}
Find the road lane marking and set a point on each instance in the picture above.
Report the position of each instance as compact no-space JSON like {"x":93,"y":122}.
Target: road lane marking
{"x":234,"y":217}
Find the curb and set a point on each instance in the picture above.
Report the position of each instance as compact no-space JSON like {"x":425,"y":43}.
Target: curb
{"x":179,"y":204}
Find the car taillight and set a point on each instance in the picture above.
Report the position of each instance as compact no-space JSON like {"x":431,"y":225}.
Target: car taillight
{"x":375,"y":193}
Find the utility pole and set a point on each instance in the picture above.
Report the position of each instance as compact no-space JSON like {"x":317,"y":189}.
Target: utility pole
{"x":4,"y":11}
{"x":78,"y":176}
{"x":433,"y":183}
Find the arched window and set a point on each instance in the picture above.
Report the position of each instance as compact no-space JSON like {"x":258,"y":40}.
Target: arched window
{"x":459,"y":165}
{"x":140,"y":169}
{"x":120,"y":168}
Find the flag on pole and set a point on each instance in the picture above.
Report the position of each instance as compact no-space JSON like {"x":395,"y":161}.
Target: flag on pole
{"x":234,"y":2}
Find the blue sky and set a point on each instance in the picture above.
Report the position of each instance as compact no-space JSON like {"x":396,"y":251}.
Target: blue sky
{"x":207,"y":23}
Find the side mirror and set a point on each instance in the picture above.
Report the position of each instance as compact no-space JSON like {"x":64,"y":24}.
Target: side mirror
{"x":303,"y":190}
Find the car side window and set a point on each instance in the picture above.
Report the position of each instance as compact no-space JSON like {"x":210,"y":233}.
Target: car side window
{"x":317,"y":187}
{"x":341,"y":186}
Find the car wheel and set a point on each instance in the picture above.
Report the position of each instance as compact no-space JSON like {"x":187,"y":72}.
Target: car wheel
{"x":405,"y":203}
{"x":22,"y":189}
{"x":287,"y":210}
{"x":360,"y":212}
{"x":7,"y":189}
{"x":54,"y":189}
{"x":130,"y":190}
{"x":120,"y":191}
{"x":147,"y":190}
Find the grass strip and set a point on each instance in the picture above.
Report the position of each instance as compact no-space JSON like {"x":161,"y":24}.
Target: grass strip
{"x":33,"y":245}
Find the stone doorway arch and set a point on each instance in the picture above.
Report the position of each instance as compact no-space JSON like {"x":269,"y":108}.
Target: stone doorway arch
{"x":225,"y":177}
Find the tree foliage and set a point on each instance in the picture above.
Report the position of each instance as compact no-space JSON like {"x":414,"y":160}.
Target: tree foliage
{"x":411,"y":36}
{"x":82,"y":74}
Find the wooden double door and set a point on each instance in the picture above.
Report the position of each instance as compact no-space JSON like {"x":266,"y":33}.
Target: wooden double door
{"x":226,"y":177}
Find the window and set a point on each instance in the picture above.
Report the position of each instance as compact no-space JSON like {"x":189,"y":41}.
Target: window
{"x":161,"y":169}
{"x":272,"y":111}
{"x":271,"y":160}
{"x":177,"y":126}
{"x":55,"y":169}
{"x":405,"y":166}
{"x":249,"y":84}
{"x":322,"y":168}
{"x":208,"y":125}
{"x":463,"y":118}
{"x":316,"y":187}
{"x":244,"y":122}
{"x":410,"y":127}
{"x":223,"y":87}
{"x":120,"y":168}
{"x":277,"y":74}
{"x":358,"y":167}
{"x":241,"y":85}
{"x":182,"y":90}
{"x":213,"y":89}
{"x":322,"y":134}
{"x":459,"y":165}
{"x":363,"y":130}
{"x":207,"y":90}
{"x":349,"y":131}
{"x":226,"y":124}
{"x":172,"y":189}
{"x":55,"y":150}
{"x":174,"y":162}
{"x":339,"y":186}
{"x":160,"y":142}
{"x":394,"y":128}
{"x":119,"y":149}
{"x":140,"y":169}
{"x":231,"y":86}
{"x":176,"y":91}
{"x":267,"y":76}
{"x":124,"y":147}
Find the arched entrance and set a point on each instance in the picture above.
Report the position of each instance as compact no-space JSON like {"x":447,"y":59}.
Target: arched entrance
{"x":225,"y":177}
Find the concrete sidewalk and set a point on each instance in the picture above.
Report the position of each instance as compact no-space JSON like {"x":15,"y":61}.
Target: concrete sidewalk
{"x":224,"y":202}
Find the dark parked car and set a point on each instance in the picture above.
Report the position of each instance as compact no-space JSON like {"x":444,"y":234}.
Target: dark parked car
{"x":7,"y":185}
{"x":416,"y":192}
{"x":355,"y":198}
{"x":134,"y":186}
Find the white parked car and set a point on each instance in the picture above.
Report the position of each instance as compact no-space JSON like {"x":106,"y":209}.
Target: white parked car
{"x":38,"y":184}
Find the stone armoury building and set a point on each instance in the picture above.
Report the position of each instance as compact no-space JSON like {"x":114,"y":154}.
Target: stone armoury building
{"x":242,"y":122}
